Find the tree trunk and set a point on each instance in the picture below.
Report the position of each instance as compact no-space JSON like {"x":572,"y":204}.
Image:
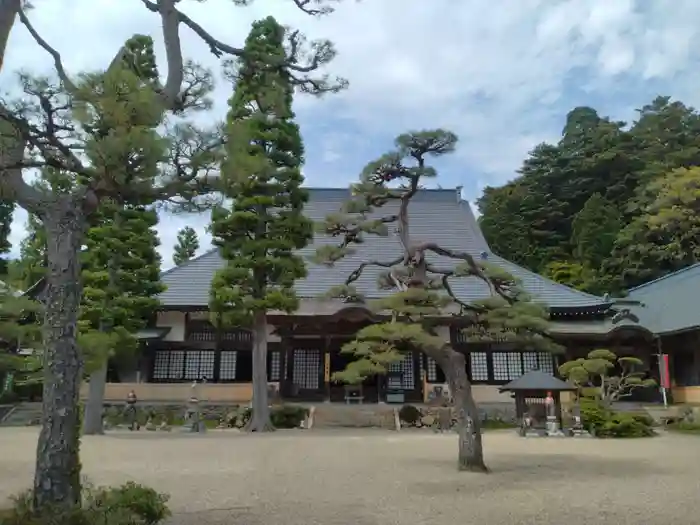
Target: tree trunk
{"x":471,"y":451}
{"x":92,"y":419}
{"x":8,"y":13}
{"x":260,"y":419}
{"x":57,"y":473}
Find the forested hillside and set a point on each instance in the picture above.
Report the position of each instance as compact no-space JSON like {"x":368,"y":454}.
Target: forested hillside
{"x":607,"y":207}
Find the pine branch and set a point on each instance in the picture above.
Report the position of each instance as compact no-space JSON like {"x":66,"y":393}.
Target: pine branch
{"x":473,"y":268}
{"x":171,"y":18}
{"x":57,"y":61}
{"x":357,"y":273}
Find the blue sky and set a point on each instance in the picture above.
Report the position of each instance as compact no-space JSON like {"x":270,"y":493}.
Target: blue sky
{"x":502,"y":74}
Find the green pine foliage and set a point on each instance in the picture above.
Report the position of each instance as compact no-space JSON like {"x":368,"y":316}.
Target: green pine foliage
{"x":121,"y":281}
{"x":187,"y":245}
{"x":574,"y":211}
{"x":264,"y":226}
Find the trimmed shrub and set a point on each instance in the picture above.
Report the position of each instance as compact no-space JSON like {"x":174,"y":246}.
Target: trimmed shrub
{"x":604,"y":422}
{"x":409,"y":414}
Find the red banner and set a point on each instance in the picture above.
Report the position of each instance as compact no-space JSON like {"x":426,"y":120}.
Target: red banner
{"x":665,"y":373}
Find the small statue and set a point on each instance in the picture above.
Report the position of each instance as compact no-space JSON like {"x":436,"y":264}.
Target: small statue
{"x":552,"y":420}
{"x":130,"y":413}
{"x":193,"y":421}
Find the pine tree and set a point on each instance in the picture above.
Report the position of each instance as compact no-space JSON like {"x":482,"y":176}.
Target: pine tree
{"x":422,"y":290}
{"x":257,"y":236}
{"x":186,"y":171}
{"x":121,"y":279}
{"x":187,"y":245}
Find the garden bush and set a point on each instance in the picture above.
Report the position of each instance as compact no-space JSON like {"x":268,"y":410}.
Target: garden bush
{"x":607,"y":423}
{"x":288,"y":416}
{"x":409,"y":414}
{"x":128,"y":504}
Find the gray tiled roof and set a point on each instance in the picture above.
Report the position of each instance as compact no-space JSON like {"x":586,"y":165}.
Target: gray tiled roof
{"x":435,"y":215}
{"x":670,"y":303}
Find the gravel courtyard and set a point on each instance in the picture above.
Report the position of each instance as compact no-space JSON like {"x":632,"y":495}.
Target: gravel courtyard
{"x":383,"y":478}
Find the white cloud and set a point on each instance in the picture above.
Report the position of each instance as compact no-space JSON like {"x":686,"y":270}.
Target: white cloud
{"x":500,"y":73}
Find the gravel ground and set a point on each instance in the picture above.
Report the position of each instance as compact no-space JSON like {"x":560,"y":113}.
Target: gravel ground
{"x":377,"y":477}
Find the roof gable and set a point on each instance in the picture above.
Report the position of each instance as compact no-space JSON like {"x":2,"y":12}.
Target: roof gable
{"x":669,"y":303}
{"x":440,"y":216}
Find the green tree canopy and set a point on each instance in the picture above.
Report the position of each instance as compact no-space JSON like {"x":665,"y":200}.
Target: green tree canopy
{"x":259,"y":233}
{"x":574,"y":200}
{"x":664,"y":238}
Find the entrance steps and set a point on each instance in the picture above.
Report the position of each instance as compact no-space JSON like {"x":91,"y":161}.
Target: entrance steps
{"x":340,"y":415}
{"x":23,"y":414}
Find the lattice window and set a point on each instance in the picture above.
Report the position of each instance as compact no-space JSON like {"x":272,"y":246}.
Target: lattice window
{"x":405,"y":366}
{"x":432,"y":370}
{"x":275,"y":365}
{"x":206,"y":365}
{"x":515,"y":366}
{"x":227,"y":366}
{"x":478,"y":363}
{"x":192,"y":365}
{"x":199,"y":364}
{"x":530,"y":361}
{"x":500,"y":366}
{"x":546,"y":362}
{"x":161,"y":369}
{"x":177,"y":364}
{"x":306,"y":368}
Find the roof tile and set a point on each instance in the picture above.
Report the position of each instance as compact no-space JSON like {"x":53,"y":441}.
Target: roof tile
{"x":435,"y":215}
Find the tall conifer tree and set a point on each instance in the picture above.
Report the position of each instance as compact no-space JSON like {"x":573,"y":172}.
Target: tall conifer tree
{"x":258,"y":234}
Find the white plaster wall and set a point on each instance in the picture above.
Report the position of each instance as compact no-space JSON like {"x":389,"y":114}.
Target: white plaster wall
{"x":175,"y":321}
{"x":444,"y":332}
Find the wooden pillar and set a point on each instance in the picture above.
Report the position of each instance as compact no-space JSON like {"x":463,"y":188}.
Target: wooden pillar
{"x":327,"y":368}
{"x":286,"y":368}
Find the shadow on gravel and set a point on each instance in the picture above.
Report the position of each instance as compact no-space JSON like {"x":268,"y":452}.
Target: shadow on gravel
{"x":515,"y":472}
{"x":290,"y":515}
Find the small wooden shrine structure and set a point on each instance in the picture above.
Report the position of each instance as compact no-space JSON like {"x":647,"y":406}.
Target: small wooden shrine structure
{"x":531,"y":392}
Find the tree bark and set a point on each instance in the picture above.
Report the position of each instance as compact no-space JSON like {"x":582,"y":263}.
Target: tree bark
{"x":92,"y":419}
{"x":8,"y":13}
{"x":57,"y":473}
{"x":471,"y":451}
{"x":260,"y":419}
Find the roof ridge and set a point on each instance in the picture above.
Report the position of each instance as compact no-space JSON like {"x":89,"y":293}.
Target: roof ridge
{"x":667,"y":276}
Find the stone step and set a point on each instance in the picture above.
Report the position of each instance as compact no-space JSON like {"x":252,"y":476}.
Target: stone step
{"x":23,"y":414}
{"x":330,"y":415}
